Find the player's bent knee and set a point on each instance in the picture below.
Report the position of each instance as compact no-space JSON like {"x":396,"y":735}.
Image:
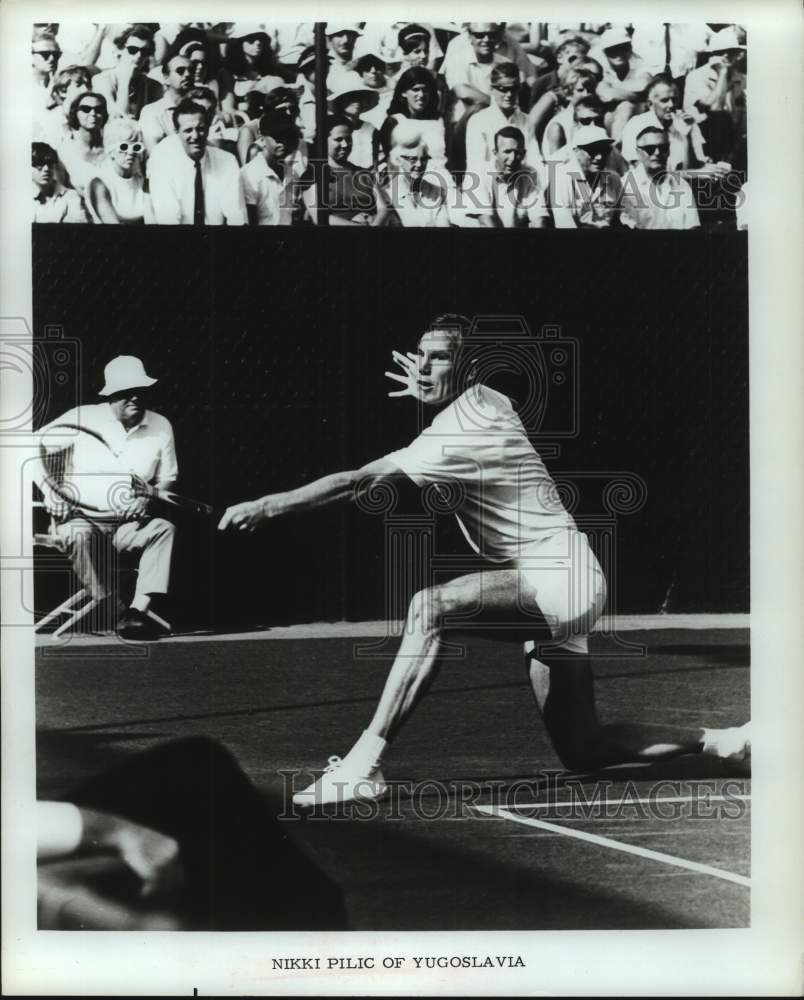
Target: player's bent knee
{"x":425,"y":611}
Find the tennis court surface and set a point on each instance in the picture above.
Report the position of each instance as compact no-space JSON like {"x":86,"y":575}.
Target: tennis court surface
{"x":483,"y":829}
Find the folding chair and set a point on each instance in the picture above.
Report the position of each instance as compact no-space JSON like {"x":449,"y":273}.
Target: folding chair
{"x":51,"y":540}
{"x":82,"y":598}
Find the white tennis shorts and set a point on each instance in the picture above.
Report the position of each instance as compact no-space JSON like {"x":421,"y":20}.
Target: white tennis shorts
{"x":569,"y":586}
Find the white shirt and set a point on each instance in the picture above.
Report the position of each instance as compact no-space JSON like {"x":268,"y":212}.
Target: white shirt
{"x":680,"y":134}
{"x":460,"y":62}
{"x":463,"y":66}
{"x":99,"y":476}
{"x":518,"y":201}
{"x":479,"y":445}
{"x":574,"y":198}
{"x":425,"y":207}
{"x":156,"y":120}
{"x":670,"y":204}
{"x":377,"y":115}
{"x":51,"y":128}
{"x":81,"y":162}
{"x":480,"y":131}
{"x":126,"y":194}
{"x":635,"y":80}
{"x":172,"y":186}
{"x":271,"y":195}
{"x":686,"y":41}
{"x":362,"y":154}
{"x":701,"y":82}
{"x":62,"y":205}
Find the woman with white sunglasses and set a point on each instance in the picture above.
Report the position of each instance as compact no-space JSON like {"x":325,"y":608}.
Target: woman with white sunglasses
{"x":115,"y":194}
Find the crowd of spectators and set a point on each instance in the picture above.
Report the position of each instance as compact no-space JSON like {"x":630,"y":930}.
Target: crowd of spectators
{"x":480,"y":124}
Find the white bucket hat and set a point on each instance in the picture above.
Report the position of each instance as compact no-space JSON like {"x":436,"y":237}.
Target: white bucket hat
{"x":353,"y":84}
{"x":340,"y":27}
{"x":125,"y":372}
{"x":243,"y":29}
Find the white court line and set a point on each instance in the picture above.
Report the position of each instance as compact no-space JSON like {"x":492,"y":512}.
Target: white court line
{"x":606,"y":803}
{"x":616,"y":845}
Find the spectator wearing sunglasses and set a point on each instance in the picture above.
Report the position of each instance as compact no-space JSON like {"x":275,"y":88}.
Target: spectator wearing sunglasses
{"x":576,"y":84}
{"x":126,"y":86}
{"x":116,"y":193}
{"x":52,"y":127}
{"x":653,"y":196}
{"x":82,"y":151}
{"x":45,"y":55}
{"x":467,"y":68}
{"x":284,"y":100}
{"x":584,"y":194}
{"x":52,"y":201}
{"x":468,"y":61}
{"x":504,"y":110}
{"x":156,"y":119}
{"x":271,"y":189}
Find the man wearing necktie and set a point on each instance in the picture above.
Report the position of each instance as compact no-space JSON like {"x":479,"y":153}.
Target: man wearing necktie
{"x":191,"y":182}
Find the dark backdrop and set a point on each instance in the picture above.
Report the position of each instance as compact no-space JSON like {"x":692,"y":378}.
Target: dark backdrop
{"x":270,"y":346}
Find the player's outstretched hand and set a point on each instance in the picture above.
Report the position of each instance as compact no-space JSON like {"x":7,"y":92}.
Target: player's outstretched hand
{"x":243,"y":516}
{"x":407,"y":375}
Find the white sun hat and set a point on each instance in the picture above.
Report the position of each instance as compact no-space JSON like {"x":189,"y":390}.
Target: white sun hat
{"x":125,"y":372}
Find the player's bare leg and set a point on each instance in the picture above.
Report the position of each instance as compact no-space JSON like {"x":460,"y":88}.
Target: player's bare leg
{"x":492,"y":596}
{"x":563,"y":687}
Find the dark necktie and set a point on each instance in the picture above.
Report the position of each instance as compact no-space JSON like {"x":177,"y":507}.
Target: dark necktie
{"x":198,"y":202}
{"x":667,"y":69}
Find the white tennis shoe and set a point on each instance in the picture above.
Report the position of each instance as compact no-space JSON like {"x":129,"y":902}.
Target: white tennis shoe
{"x":356,"y":777}
{"x":732,"y":745}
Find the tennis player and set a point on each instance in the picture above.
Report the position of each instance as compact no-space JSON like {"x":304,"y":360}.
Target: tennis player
{"x":543,"y":584}
{"x":138,"y":441}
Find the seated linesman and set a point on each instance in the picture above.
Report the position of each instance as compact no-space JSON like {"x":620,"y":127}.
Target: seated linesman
{"x":93,"y":498}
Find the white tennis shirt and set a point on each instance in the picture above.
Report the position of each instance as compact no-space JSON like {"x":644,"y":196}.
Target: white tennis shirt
{"x":477,"y":450}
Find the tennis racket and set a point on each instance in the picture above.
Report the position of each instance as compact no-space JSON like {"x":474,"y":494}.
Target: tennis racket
{"x":83,"y":471}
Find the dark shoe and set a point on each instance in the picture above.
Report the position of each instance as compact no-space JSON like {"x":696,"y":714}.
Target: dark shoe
{"x":136,"y":625}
